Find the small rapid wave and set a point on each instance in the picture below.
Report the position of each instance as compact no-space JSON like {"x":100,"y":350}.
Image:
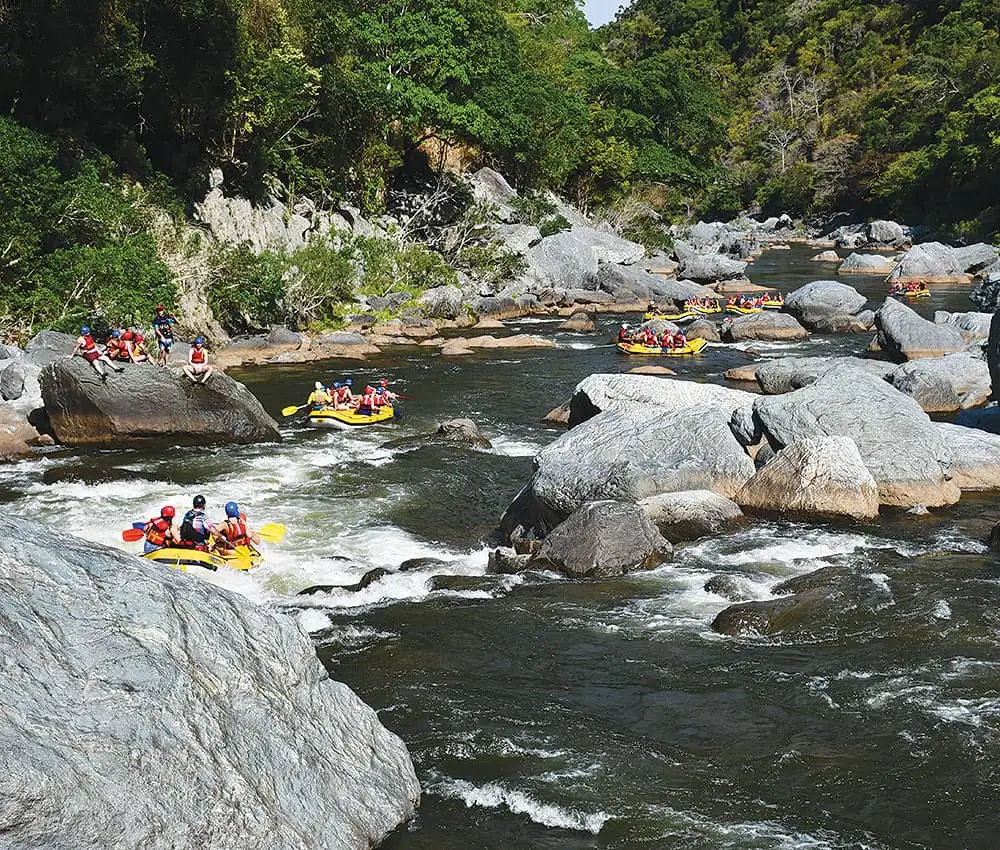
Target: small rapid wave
{"x":493,"y":795}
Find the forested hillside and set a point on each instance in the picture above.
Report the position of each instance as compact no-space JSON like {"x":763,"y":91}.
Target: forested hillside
{"x":692,"y":107}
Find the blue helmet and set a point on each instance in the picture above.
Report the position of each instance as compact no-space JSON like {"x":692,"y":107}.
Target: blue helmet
{"x":347,"y":382}
{"x":336,"y":385}
{"x":85,"y":330}
{"x":116,"y":334}
{"x":232,"y":509}
{"x":199,"y":340}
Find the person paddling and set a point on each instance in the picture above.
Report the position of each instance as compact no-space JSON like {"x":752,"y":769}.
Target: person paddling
{"x":196,"y":531}
{"x":235,"y":530}
{"x":319,"y":398}
{"x":86,"y":345}
{"x":161,"y":531}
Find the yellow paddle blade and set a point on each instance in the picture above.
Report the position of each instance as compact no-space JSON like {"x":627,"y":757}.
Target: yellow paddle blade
{"x":288,"y":411}
{"x":273,"y":532}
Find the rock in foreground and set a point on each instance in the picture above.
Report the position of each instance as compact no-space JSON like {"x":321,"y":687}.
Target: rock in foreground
{"x":908,"y":336}
{"x":144,"y":708}
{"x":144,"y":403}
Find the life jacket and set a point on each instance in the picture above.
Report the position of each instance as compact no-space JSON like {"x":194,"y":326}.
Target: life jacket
{"x":340,"y":394}
{"x":88,"y":344}
{"x":156,"y":531}
{"x":197,"y":355}
{"x":128,"y":335}
{"x":190,"y":534}
{"x":235,"y":530}
{"x":368,"y":399}
{"x":622,"y":335}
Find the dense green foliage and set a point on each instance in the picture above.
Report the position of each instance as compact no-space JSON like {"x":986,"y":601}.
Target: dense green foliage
{"x":880,"y":107}
{"x":680,"y":108}
{"x":73,"y":240}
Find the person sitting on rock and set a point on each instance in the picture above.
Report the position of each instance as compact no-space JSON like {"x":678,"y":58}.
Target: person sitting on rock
{"x":135,"y":343}
{"x":86,"y":345}
{"x":197,"y":368}
{"x":164,"y":333}
{"x":161,"y":531}
{"x":235,"y":530}
{"x":114,"y":347}
{"x":319,"y":398}
{"x":196,"y":531}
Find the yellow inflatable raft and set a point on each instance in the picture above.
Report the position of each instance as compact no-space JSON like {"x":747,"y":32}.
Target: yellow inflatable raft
{"x":705,"y":311}
{"x":348,"y":419}
{"x":916,"y":293}
{"x":743,"y":311}
{"x":686,"y":316}
{"x":694,"y":346}
{"x":179,"y":557}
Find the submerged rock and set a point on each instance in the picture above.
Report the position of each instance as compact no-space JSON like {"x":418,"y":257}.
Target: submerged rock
{"x":579,"y":323}
{"x":817,"y":476}
{"x":146,"y":708}
{"x":144,"y":403}
{"x":600,"y":539}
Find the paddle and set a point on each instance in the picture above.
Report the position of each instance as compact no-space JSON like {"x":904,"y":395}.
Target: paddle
{"x":288,"y":411}
{"x":131,"y":535}
{"x":273,"y":532}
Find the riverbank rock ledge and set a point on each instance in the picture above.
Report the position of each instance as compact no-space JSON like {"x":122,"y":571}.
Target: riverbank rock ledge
{"x":145,"y":708}
{"x":145,"y":403}
{"x":602,"y":539}
{"x":817,"y":476}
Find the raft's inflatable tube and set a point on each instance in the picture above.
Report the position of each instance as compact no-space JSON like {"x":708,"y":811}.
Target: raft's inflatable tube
{"x":694,"y":346}
{"x":179,"y":557}
{"x":347,"y":419}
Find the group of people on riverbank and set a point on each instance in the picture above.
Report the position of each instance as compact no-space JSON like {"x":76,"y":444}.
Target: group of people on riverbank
{"x":645,"y":335}
{"x":195,"y":531}
{"x":129,"y":345}
{"x":339,"y":396}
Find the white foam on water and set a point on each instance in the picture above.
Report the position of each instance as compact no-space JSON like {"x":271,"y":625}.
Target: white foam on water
{"x":510,"y":447}
{"x":494,"y":795}
{"x":313,"y":620}
{"x":581,"y":346}
{"x":941,"y":610}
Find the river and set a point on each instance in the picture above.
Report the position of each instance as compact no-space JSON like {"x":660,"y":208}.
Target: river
{"x":544,"y":713}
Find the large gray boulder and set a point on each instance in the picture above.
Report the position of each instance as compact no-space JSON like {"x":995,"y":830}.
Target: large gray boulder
{"x":46,"y":346}
{"x":690,"y":514}
{"x":986,"y":295}
{"x":609,"y":247}
{"x":564,"y":259}
{"x":442,"y":302}
{"x":12,"y":381}
{"x":944,"y":384}
{"x":931,"y":262}
{"x":823,"y":305}
{"x":768,"y":325}
{"x":905,"y":335}
{"x":647,"y":396}
{"x":971,"y":457}
{"x":143,"y":404}
{"x":492,"y":188}
{"x":874,"y":264}
{"x":710,"y":268}
{"x":792,"y":373}
{"x":886,"y":233}
{"x":144,"y":708}
{"x":626,"y":458}
{"x":898,"y":443}
{"x":629,"y":284}
{"x":974,"y":258}
{"x":602,"y":539}
{"x":815,"y":476}
{"x":974,"y":327}
{"x":517,"y":237}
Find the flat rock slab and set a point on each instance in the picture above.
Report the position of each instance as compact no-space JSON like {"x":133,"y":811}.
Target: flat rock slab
{"x":146,"y":403}
{"x":145,"y":708}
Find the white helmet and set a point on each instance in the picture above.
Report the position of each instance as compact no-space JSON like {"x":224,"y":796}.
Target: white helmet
{"x":319,"y":385}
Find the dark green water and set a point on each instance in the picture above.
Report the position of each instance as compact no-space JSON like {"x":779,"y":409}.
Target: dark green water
{"x":548,"y":714}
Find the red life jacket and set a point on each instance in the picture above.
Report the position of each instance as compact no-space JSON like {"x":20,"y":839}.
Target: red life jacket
{"x":156,"y":530}
{"x":340,"y":394}
{"x":89,"y":344}
{"x":368,"y":399}
{"x":197,"y":355}
{"x":235,"y":531}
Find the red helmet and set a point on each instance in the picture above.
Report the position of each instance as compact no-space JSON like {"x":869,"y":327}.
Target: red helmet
{"x":383,"y":383}
{"x":160,"y":307}
{"x":168,"y":511}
